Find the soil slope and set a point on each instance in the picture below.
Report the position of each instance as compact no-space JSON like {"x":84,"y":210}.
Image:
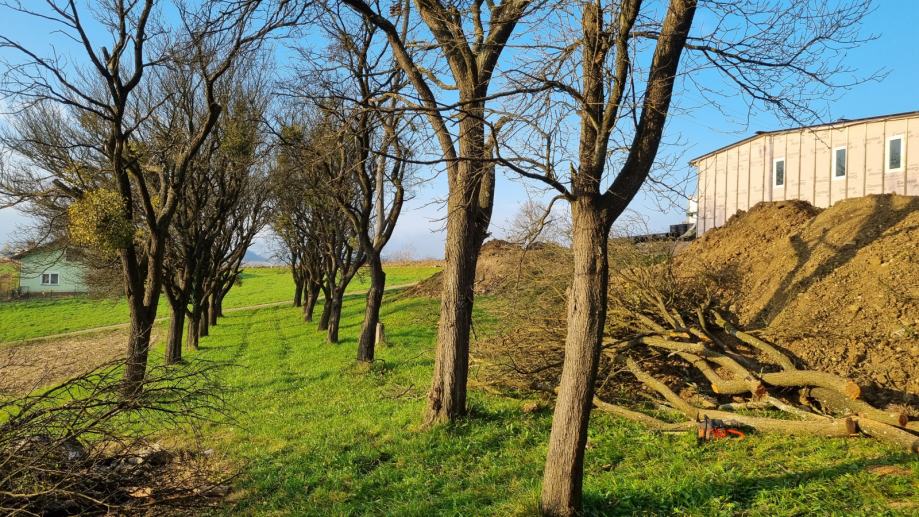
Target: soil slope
{"x":839,"y":287}
{"x":500,"y":268}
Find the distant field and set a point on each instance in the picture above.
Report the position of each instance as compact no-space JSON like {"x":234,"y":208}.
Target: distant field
{"x":35,"y":318}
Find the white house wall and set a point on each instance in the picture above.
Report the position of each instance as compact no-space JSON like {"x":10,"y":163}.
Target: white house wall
{"x":740,"y":176}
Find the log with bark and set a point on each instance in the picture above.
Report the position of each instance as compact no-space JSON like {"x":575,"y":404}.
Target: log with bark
{"x":714,"y":367}
{"x":735,"y":362}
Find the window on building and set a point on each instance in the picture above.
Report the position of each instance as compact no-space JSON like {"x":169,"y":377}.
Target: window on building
{"x":778,"y":172}
{"x":49,"y":279}
{"x":839,"y":162}
{"x":895,"y":153}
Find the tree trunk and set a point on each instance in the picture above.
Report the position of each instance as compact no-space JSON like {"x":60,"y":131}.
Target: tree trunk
{"x":203,"y":329}
{"x":174,"y":339}
{"x":365,"y":346}
{"x":335,"y":315}
{"x":219,"y":305}
{"x":312,"y":296}
{"x":191,"y":340}
{"x":298,"y":293}
{"x":326,"y":309}
{"x":138,"y":349}
{"x":143,"y":304}
{"x":564,"y":470}
{"x":212,"y":309}
{"x":447,"y":396}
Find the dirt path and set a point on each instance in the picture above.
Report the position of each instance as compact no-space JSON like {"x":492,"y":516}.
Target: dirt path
{"x":29,"y":364}
{"x":120,"y":326}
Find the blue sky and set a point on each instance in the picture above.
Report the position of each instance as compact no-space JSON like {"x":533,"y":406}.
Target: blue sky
{"x":698,"y":130}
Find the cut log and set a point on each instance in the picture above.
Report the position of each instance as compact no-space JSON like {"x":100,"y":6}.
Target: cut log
{"x":721,"y":385}
{"x":889,"y":434}
{"x":642,"y":418}
{"x":840,"y":427}
{"x":833,"y":428}
{"x":833,"y":401}
{"x":773,"y":353}
{"x":800,"y":378}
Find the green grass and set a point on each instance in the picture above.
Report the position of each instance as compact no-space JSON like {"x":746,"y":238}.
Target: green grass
{"x":314,"y":434}
{"x":36,"y":318}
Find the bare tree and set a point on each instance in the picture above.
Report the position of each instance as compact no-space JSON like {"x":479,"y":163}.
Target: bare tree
{"x":291,"y":221}
{"x":314,"y":191}
{"x":613,"y":72}
{"x":111,"y":93}
{"x":472,"y":60}
{"x":357,"y":78}
{"x":221,"y":209}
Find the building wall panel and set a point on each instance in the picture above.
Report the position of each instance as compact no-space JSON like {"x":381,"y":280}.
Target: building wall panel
{"x":730,"y":191}
{"x":806,"y":176}
{"x":855,"y":176}
{"x":757,"y":150}
{"x":822,"y":169}
{"x":720,"y":188}
{"x":710,"y":189}
{"x":912,"y":157}
{"x":874,"y":158}
{"x":743,"y":176}
{"x":793,"y":165}
{"x":740,"y":176}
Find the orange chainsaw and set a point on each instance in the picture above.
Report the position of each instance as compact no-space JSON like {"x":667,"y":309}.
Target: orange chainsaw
{"x":714,"y":429}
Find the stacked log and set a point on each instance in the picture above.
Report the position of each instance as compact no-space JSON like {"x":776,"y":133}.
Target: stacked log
{"x":828,"y":405}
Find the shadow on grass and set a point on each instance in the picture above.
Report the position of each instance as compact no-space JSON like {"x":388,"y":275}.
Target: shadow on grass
{"x":741,"y":493}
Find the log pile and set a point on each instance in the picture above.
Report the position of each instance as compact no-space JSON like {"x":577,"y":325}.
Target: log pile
{"x":673,"y":335}
{"x":754,"y":373}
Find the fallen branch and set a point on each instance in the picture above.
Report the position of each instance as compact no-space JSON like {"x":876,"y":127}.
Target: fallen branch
{"x":833,"y":401}
{"x":773,"y":353}
{"x":788,"y":408}
{"x":800,"y":378}
{"x":647,"y":420}
{"x":832,"y":428}
{"x":889,"y":434}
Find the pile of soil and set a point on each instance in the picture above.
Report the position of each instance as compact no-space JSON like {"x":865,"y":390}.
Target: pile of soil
{"x":499,"y":269}
{"x":838,"y":288}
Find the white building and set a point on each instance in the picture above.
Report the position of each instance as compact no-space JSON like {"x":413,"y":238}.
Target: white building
{"x":820,"y":164}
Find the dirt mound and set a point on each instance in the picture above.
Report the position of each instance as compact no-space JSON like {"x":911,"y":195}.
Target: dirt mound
{"x":499,"y":268}
{"x":839,"y":287}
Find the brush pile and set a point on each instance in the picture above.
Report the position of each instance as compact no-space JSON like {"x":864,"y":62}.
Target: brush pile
{"x":671,"y":344}
{"x":82,"y":448}
{"x":738,"y":370}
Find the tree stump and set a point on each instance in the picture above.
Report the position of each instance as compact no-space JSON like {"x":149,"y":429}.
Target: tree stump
{"x":380,"y":338}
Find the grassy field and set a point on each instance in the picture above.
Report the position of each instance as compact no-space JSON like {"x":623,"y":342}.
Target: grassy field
{"x":314,"y":434}
{"x":35,"y":318}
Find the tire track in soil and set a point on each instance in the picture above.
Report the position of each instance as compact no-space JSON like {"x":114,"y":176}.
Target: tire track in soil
{"x":243,"y":345}
{"x":287,"y":376}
